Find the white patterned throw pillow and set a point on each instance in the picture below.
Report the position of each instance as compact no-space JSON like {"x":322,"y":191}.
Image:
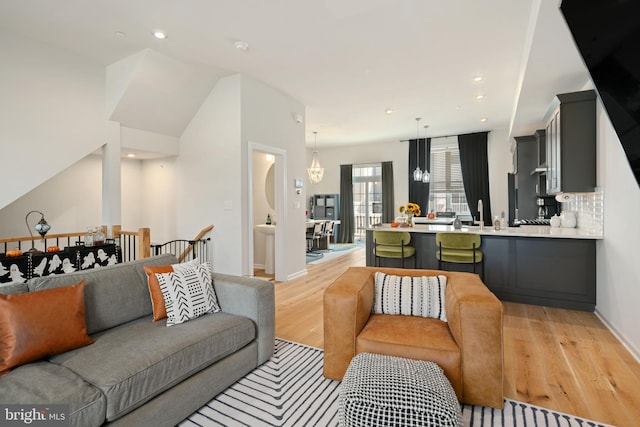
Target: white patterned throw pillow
{"x":188,"y":293}
{"x":421,"y":296}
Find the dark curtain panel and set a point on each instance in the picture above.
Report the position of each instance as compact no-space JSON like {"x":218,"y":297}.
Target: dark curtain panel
{"x":347,"y":221}
{"x":475,"y":173}
{"x":388,"y":207}
{"x":419,"y":192}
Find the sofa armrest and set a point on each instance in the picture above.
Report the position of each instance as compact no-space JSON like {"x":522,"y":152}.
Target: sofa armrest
{"x":252,"y":298}
{"x":347,"y":306}
{"x":475,"y":317}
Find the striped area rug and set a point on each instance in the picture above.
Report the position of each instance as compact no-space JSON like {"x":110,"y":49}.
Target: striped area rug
{"x":290,"y":390}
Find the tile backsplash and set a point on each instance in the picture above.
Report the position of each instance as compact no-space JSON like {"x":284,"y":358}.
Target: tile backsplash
{"x":589,"y":209}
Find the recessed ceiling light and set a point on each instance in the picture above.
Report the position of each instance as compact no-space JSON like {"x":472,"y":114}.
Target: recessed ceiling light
{"x":159,"y":34}
{"x":478,"y":79}
{"x":479,"y":97}
{"x":131,"y":155}
{"x":388,"y":111}
{"x":458,"y":107}
{"x":241,"y":45}
{"x":484,"y":119}
{"x":120,"y":34}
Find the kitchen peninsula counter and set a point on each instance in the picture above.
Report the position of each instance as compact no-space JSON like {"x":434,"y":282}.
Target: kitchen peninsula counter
{"x":539,"y":265}
{"x":522,"y":231}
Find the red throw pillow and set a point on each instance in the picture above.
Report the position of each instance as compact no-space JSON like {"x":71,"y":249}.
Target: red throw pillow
{"x":34,"y":325}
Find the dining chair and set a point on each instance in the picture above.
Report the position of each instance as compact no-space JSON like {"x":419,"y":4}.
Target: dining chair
{"x":313,"y":239}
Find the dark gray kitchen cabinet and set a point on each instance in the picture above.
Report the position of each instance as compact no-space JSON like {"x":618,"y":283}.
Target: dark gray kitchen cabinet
{"x":570,"y":148}
{"x":554,"y":272}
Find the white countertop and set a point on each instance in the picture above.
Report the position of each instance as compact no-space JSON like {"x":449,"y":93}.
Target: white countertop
{"x":522,"y":231}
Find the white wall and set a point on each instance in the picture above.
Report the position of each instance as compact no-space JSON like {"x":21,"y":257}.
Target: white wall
{"x":332,"y":157}
{"x":618,"y":269}
{"x":159,"y":199}
{"x":71,"y":201}
{"x":267,"y":119}
{"x":208,"y":177}
{"x":52,"y":108}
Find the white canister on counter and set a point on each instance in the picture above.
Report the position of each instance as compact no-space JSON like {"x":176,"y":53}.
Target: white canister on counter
{"x":555,"y":221}
{"x":568,"y":219}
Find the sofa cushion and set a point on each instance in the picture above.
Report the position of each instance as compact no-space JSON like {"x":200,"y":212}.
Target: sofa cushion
{"x":422,"y":296}
{"x":34,"y":325}
{"x":113,"y":295}
{"x":188,"y":293}
{"x":145,"y":358}
{"x":47,"y":383}
{"x":413,"y":337}
{"x":10,"y":288}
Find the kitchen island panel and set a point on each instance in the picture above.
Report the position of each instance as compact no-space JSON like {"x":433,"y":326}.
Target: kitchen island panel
{"x":532,"y":270}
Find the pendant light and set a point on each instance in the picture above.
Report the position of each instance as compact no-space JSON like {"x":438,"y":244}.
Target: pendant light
{"x":315,"y":171}
{"x":417,"y":174}
{"x":425,"y":175}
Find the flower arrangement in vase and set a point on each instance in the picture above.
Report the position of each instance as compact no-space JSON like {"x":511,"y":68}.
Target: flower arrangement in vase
{"x":408,"y":211}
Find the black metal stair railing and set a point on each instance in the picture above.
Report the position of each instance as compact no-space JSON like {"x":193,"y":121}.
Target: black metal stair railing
{"x":184,"y":250}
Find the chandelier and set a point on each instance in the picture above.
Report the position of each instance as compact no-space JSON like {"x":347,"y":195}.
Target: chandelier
{"x":315,"y":171}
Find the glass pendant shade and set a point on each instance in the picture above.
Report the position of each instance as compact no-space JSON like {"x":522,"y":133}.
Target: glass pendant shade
{"x":425,"y":175}
{"x":417,"y":174}
{"x":42,"y":227}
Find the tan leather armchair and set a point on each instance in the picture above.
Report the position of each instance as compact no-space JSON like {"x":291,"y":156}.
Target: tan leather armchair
{"x":468,"y":346}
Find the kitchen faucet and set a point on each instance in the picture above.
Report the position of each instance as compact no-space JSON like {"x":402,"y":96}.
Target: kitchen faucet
{"x":481,"y":211}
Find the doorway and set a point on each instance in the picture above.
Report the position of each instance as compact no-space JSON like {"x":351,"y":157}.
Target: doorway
{"x":367,"y":197}
{"x":266,"y":199}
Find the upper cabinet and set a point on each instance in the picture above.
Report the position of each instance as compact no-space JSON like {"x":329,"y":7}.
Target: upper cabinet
{"x":570,"y":143}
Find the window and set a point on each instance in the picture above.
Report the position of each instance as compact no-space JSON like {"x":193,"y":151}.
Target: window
{"x":446,"y":189}
{"x":367,"y":197}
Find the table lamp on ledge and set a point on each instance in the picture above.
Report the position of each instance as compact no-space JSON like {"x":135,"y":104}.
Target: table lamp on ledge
{"x":42,"y":227}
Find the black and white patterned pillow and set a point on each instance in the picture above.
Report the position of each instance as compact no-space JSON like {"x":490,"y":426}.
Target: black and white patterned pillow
{"x":188,"y":293}
{"x":421,"y":296}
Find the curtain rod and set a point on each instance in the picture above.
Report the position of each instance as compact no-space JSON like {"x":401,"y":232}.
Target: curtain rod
{"x":441,"y":136}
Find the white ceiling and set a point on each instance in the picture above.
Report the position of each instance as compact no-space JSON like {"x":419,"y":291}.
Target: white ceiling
{"x":346,"y":60}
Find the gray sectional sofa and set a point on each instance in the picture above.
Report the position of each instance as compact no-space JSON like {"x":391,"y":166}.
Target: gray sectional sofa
{"x":139,"y":372}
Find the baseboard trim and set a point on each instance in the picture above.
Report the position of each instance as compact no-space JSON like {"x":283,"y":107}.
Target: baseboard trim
{"x":297,"y":274}
{"x":635,"y":352}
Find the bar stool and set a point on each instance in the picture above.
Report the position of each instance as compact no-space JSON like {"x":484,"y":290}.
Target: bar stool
{"x":393,"y":244}
{"x":459,"y":248}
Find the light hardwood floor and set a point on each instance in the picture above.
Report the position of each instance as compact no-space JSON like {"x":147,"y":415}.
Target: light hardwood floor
{"x":563,"y":360}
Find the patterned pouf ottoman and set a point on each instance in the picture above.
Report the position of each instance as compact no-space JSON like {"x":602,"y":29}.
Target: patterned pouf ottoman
{"x":380,"y":390}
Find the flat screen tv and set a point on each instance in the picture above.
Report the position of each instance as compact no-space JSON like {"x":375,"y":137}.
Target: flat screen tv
{"x":607,"y":34}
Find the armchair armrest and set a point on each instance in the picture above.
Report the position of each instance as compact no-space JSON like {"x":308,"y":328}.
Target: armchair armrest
{"x":347,"y":306}
{"x":252,"y":298}
{"x":475,"y":317}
